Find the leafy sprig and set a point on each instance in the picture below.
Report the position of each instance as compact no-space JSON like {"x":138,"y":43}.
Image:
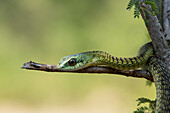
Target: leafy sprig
{"x":150,"y":109}
{"x":136,"y":4}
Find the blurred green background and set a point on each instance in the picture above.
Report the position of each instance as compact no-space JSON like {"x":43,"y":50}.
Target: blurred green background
{"x":46,"y":30}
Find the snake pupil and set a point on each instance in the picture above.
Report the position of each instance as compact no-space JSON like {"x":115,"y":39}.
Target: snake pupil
{"x":72,"y":62}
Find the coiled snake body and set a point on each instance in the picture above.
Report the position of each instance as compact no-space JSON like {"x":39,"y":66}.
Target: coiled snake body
{"x":145,"y":57}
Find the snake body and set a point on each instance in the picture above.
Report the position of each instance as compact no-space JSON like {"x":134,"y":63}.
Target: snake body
{"x":145,"y":58}
{"x":161,"y":76}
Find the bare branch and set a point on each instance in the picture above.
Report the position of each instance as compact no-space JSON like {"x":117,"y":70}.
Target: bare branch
{"x":156,"y":33}
{"x":95,"y":69}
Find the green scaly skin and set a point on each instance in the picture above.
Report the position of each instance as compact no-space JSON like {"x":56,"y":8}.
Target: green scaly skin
{"x":144,"y":58}
{"x":97,"y":58}
{"x":161,"y":76}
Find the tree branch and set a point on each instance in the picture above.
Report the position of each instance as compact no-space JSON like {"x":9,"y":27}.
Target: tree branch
{"x":166,"y":22}
{"x":156,"y":33}
{"x":95,"y":69}
{"x":159,"y":4}
{"x":166,"y":18}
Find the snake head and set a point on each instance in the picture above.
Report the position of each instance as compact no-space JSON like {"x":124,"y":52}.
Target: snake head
{"x":75,"y":62}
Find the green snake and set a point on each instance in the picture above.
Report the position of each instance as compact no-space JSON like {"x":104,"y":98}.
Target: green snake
{"x":145,"y":58}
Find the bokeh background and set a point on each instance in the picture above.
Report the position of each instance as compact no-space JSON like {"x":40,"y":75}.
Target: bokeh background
{"x":46,"y":30}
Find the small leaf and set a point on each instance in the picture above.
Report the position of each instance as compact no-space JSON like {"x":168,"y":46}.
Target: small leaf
{"x":131,"y":4}
{"x":148,"y":83}
{"x":136,"y":11}
{"x":143,"y":100}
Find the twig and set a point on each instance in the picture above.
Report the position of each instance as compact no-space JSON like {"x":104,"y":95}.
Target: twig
{"x":95,"y":69}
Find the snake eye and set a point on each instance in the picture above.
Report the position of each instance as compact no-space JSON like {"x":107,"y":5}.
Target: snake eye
{"x":72,"y":62}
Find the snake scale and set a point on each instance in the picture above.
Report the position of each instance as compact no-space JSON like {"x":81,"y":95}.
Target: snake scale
{"x":145,"y":58}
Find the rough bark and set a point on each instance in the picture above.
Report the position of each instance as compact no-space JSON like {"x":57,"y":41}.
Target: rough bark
{"x":166,"y":18}
{"x":156,"y":33}
{"x":166,"y":23}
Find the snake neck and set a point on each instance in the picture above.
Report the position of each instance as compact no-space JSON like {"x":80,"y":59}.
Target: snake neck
{"x":161,"y":76}
{"x":103,"y":58}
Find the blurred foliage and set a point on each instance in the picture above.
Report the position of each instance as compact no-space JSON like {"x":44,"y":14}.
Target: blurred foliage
{"x":46,"y":30}
{"x":150,"y":109}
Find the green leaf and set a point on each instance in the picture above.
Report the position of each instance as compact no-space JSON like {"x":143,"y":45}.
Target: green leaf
{"x":136,"y":11}
{"x":148,"y":83}
{"x":131,"y":4}
{"x":143,"y":100}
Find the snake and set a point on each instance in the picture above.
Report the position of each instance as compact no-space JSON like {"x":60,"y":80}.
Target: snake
{"x":145,"y":59}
